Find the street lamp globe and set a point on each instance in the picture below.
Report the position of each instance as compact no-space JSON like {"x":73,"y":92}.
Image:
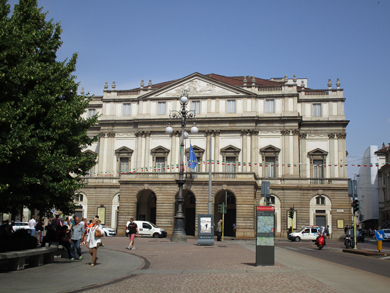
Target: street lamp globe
{"x":194,"y":129}
{"x":184,"y":100}
{"x":169,"y":129}
{"x":185,"y":135}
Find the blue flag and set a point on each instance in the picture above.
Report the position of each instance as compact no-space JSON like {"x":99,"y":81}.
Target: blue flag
{"x":192,"y":161}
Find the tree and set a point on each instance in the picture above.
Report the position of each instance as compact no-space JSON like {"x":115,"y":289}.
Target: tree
{"x":42,"y":132}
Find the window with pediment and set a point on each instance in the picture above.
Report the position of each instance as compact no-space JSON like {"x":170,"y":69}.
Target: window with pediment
{"x":230,"y":156}
{"x":270,"y":161}
{"x":123,"y":159}
{"x":317,"y":163}
{"x":160,"y":157}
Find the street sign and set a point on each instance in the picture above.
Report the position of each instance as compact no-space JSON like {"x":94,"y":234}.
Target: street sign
{"x":379,"y":235}
{"x":265,"y":236}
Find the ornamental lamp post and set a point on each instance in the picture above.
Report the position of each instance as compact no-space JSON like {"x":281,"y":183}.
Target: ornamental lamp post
{"x":179,"y":234}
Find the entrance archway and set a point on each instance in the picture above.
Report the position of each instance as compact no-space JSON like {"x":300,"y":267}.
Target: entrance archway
{"x":230,"y":216}
{"x":189,"y":211}
{"x":146,"y":206}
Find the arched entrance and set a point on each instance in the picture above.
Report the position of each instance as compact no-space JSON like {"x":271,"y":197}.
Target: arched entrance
{"x":230,"y":217}
{"x":189,"y":211}
{"x":146,"y":206}
{"x":320,"y":211}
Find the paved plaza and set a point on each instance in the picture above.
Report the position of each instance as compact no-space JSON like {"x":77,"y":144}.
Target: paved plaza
{"x":157,"y":265}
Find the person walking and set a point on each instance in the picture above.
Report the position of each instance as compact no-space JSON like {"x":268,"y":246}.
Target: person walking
{"x":132,"y":230}
{"x":39,"y":230}
{"x":219,"y":230}
{"x":32,"y":223}
{"x":77,"y":233}
{"x":63,"y":238}
{"x":93,"y":241}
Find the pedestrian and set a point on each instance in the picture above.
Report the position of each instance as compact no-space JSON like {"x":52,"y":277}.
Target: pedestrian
{"x":63,"y":238}
{"x":77,"y":233}
{"x":39,"y":229}
{"x":32,"y":224}
{"x":234,"y":229}
{"x":93,"y":241}
{"x":346,"y":229}
{"x":219,"y":230}
{"x":66,"y":222}
{"x":327,"y":232}
{"x":132,"y":230}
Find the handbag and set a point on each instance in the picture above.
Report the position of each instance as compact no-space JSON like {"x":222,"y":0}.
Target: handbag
{"x":97,"y":233}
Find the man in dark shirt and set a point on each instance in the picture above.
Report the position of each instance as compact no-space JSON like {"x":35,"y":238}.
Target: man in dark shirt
{"x":132,"y":229}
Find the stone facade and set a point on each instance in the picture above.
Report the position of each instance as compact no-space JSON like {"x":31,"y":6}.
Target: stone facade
{"x":384,"y":186}
{"x":260,"y":130}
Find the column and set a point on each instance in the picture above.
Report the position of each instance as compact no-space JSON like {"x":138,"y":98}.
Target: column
{"x":341,"y":154}
{"x":208,"y":137}
{"x":243,"y":150}
{"x":138,"y":151}
{"x":216,"y":167}
{"x":102,"y":148}
{"x":303,"y":160}
{"x":254,"y":151}
{"x":285,"y":152}
{"x":295,"y":153}
{"x":331,"y":159}
{"x":147,"y":151}
{"x":110,"y":153}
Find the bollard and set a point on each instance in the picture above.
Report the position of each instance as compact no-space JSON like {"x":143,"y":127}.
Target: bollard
{"x":379,"y":245}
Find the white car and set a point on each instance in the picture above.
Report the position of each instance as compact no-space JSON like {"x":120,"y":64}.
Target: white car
{"x":387,"y":234}
{"x":149,"y":229}
{"x":20,"y":225}
{"x":307,"y":233}
{"x":109,"y":231}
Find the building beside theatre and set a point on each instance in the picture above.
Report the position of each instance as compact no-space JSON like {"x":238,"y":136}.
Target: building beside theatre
{"x":275,"y":130}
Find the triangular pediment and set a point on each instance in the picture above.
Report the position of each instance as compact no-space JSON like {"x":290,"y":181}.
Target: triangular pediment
{"x":196,"y":149}
{"x":270,"y":148}
{"x":317,"y":152}
{"x":197,"y":85}
{"x":160,"y":149}
{"x":124,"y":150}
{"x":230,"y":148}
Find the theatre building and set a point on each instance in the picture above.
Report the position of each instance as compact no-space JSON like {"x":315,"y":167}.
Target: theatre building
{"x":276,"y":130}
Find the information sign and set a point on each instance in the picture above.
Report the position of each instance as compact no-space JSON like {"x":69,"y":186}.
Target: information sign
{"x":265,"y":235}
{"x":206,"y":229}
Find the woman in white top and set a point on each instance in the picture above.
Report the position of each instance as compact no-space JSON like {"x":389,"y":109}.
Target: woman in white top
{"x":93,"y":241}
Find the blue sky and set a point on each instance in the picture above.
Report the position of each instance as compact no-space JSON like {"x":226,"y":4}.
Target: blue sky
{"x":126,"y":41}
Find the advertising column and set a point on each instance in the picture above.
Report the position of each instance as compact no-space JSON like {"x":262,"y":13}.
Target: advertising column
{"x":206,"y":229}
{"x":265,"y":235}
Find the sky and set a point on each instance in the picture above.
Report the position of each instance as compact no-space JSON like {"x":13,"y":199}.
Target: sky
{"x":126,"y":41}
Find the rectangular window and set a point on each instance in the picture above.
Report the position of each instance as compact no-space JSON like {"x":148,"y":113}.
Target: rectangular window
{"x":318,"y":169}
{"x":161,"y":108}
{"x":270,"y":106}
{"x":230,"y":164}
{"x":317,"y":110}
{"x":124,"y":165}
{"x":269,"y":167}
{"x":126,"y":109}
{"x":231,"y":106}
{"x":196,"y":107}
{"x":91,"y":112}
{"x":160,"y":164}
{"x":320,"y":200}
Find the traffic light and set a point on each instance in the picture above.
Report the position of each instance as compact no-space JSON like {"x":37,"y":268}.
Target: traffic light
{"x":291,"y":213}
{"x":222,"y":208}
{"x":355,"y":205}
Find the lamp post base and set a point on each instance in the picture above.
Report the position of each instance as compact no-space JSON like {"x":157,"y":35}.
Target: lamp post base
{"x":179,"y":238}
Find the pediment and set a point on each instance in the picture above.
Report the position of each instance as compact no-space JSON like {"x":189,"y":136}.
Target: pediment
{"x":317,"y":151}
{"x":160,"y":149}
{"x":197,"y":85}
{"x":270,"y":149}
{"x":90,"y":152}
{"x":197,"y":150}
{"x":124,"y":150}
{"x":230,"y":148}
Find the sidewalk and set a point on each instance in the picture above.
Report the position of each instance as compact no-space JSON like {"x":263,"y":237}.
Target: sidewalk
{"x":157,"y":265}
{"x":64,"y":275}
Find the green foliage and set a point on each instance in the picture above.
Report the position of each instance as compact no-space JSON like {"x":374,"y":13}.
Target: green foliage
{"x":42,"y":133}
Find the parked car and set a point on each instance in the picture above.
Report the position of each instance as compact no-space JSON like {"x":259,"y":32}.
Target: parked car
{"x":20,"y":225}
{"x":149,"y":229}
{"x":387,"y":234}
{"x":307,"y":233}
{"x":109,"y":231}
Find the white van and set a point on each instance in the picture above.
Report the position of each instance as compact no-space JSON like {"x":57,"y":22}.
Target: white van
{"x":149,"y":229}
{"x":307,"y":233}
